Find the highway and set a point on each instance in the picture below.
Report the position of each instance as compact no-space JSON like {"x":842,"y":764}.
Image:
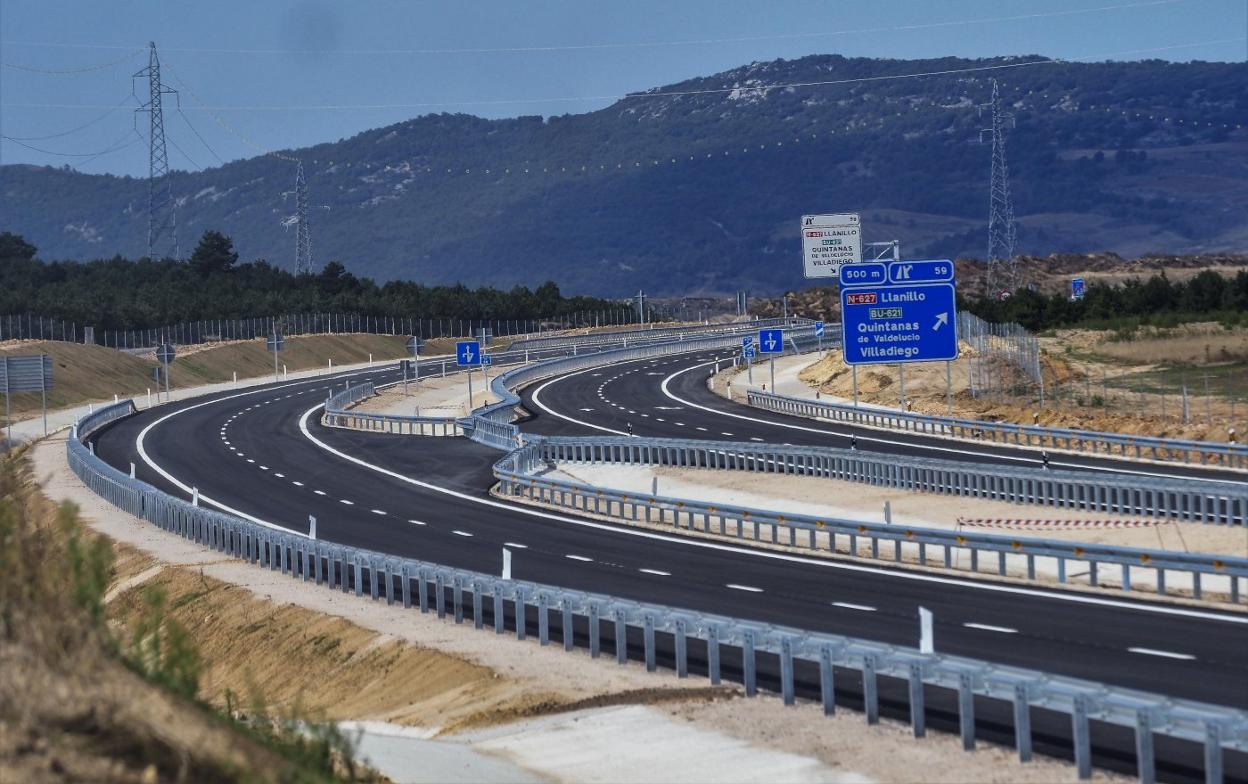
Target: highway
{"x":262,"y":453}
{"x":668,"y":398}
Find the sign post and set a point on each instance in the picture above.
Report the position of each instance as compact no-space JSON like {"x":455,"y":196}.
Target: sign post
{"x":747,"y":350}
{"x":25,"y":374}
{"x":413,"y":345}
{"x":276,"y":343}
{"x":468,"y":355}
{"x":166,"y":353}
{"x":771,"y":342}
{"x":828,"y":241}
{"x":819,"y":330}
{"x":899,"y":312}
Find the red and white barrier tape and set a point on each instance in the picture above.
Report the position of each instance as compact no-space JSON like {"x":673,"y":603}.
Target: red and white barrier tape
{"x":997,"y":522}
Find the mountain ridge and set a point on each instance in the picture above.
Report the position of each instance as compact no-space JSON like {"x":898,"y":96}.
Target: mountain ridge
{"x":697,"y":186}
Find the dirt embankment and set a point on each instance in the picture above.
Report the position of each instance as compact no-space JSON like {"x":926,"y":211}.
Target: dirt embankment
{"x":1095,"y":385}
{"x":70,"y":710}
{"x":92,"y":373}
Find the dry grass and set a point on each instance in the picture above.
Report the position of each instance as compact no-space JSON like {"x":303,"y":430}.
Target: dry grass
{"x":92,"y":373}
{"x":69,"y":709}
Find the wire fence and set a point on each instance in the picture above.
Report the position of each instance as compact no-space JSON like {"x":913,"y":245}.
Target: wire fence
{"x":32,"y":327}
{"x":994,"y":347}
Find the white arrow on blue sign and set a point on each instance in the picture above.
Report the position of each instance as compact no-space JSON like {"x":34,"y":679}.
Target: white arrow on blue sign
{"x":749,"y":352}
{"x":486,"y":359}
{"x":818,"y":329}
{"x":747,"y":341}
{"x":468,"y":353}
{"x":771,"y":341}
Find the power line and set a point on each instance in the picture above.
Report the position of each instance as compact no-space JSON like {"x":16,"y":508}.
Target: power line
{"x":123,"y":102}
{"x":178,"y":147}
{"x":813,"y":34}
{"x":110,"y":148}
{"x":69,"y":71}
{"x":187,"y":120}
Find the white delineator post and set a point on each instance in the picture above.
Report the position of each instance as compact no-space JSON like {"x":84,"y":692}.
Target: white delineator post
{"x":506,"y":564}
{"x":927,"y":643}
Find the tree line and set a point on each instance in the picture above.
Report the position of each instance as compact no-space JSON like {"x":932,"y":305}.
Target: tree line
{"x":127,"y":294}
{"x":1158,"y":300}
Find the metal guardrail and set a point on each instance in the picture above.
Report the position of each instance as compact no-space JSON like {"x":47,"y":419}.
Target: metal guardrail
{"x":1014,"y":556}
{"x":1168,"y":499}
{"x":462,"y":593}
{"x":338,"y":413}
{"x":1110,"y":444}
{"x":655,"y":333}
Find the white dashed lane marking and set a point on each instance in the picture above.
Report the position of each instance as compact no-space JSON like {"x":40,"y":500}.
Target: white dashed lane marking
{"x":345,"y":501}
{"x":1163,"y":654}
{"x":746,"y":588}
{"x":990,"y":628}
{"x":297,"y":484}
{"x":579,"y":558}
{"x":849,"y":606}
{"x":319,"y":492}
{"x":461,"y":533}
{"x":655,"y":572}
{"x":377,"y":511}
{"x":416,"y":522}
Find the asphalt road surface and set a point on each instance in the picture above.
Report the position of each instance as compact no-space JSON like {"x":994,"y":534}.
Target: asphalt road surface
{"x":262,"y":453}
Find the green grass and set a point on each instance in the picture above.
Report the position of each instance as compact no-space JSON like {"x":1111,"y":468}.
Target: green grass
{"x":1225,"y":381}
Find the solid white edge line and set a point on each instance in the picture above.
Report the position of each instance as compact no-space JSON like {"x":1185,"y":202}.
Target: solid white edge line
{"x":914,"y":576}
{"x":776,"y":556}
{"x":930,"y":447}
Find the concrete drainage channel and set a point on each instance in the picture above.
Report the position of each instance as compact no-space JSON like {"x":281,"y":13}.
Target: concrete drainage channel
{"x":1029,"y":709}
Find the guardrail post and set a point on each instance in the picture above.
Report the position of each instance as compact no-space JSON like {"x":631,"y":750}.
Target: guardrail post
{"x":1022,"y":722}
{"x":316,"y":561}
{"x":682,"y":649}
{"x":522,"y":629}
{"x":359,"y":574}
{"x":1082,"y":736}
{"x":966,"y":711}
{"x":749,"y":665}
{"x":621,"y":636}
{"x":406,"y":579}
{"x":595,"y":640}
{"x":648,"y":635}
{"x":543,"y":619}
{"x":374,"y":582}
{"x":1146,"y":768}
{"x":1213,"y":753}
{"x":457,"y":598}
{"x":827,"y":683}
{"x":439,"y":595}
{"x":500,"y":622}
{"x":712,"y":654}
{"x":786,"y":670}
{"x":566,"y":623}
{"x":422,"y":590}
{"x":918,"y":717}
{"x":870,"y":694}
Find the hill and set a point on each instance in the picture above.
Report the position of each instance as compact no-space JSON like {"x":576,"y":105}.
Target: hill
{"x":697,"y":187}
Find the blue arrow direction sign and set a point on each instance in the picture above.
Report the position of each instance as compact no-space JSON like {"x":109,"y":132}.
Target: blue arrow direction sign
{"x":750,"y":353}
{"x":486,"y":359}
{"x":165,"y":353}
{"x":771,"y":341}
{"x":747,"y":341}
{"x":819,"y":329}
{"x":937,"y":271}
{"x":276,"y":343}
{"x":468,"y":353}
{"x":1077,"y":288}
{"x":885,"y":324}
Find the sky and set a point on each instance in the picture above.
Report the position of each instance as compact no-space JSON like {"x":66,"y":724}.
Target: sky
{"x":278,"y":74}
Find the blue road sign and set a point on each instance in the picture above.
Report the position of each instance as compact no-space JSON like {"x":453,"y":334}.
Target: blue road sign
{"x":864,"y":273}
{"x":937,"y":271}
{"x":468,"y":353}
{"x":750,"y":353}
{"x":487,"y":360}
{"x":1076,"y":288}
{"x":747,"y":341}
{"x":899,"y":323}
{"x":771,"y":341}
{"x":819,"y":329}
